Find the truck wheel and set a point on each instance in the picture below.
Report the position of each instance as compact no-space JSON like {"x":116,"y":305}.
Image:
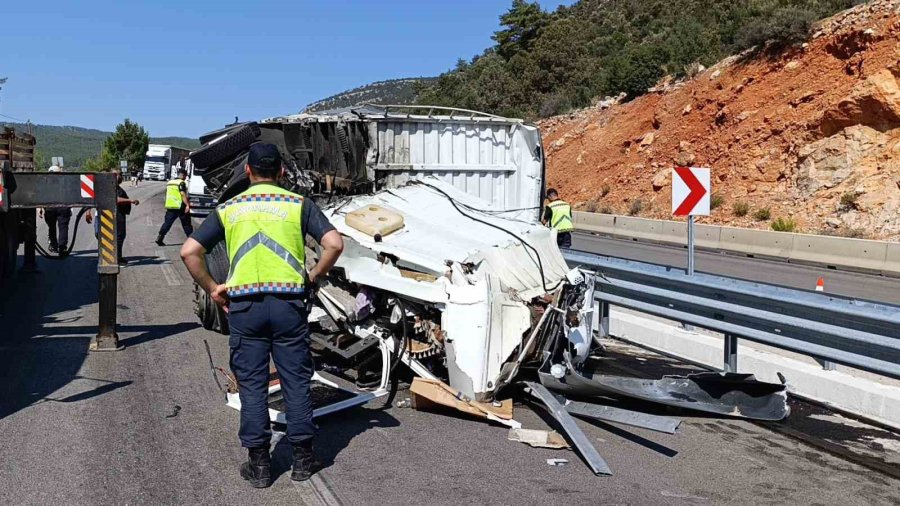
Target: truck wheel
{"x":230,"y":143}
{"x":215,"y":134}
{"x":211,"y":316}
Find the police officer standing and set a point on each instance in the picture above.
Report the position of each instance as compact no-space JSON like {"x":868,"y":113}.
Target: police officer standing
{"x":178,"y":207}
{"x":558,"y":214}
{"x":264,"y":230}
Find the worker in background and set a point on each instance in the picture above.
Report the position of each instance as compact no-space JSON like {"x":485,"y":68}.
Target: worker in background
{"x":57,"y":219}
{"x":266,"y":296}
{"x":558,"y":215}
{"x":178,"y":207}
{"x":123,"y":209}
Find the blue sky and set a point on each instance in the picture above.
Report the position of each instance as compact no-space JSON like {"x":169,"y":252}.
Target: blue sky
{"x":187,"y":67}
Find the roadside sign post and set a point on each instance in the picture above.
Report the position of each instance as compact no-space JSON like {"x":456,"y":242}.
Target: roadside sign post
{"x":690,"y":197}
{"x":690,"y":241}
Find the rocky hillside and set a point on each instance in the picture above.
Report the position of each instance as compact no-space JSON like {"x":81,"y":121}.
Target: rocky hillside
{"x":811,"y":134}
{"x":394,"y":91}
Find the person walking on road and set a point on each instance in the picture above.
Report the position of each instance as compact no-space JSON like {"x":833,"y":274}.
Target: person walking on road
{"x":123,"y":209}
{"x":558,"y":215}
{"x":57,"y":219}
{"x":178,"y":207}
{"x":266,"y":296}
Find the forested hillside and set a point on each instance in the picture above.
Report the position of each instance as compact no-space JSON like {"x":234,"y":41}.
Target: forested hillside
{"x":76,"y":144}
{"x":544,"y":63}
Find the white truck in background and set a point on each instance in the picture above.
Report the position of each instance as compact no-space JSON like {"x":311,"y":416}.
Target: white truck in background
{"x":202,"y":203}
{"x":160,"y":161}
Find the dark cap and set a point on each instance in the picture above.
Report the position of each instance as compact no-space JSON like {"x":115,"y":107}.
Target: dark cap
{"x":264,"y":156}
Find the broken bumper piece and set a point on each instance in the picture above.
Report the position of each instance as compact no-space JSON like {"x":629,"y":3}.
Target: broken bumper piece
{"x":729,"y":394}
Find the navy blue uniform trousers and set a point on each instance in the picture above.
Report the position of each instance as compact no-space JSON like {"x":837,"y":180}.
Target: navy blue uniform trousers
{"x":169,"y":220}
{"x":276,"y":325}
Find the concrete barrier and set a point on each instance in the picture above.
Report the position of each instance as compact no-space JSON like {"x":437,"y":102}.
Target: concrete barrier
{"x":756,"y":242}
{"x":595,"y":222}
{"x":651,"y":230}
{"x":892,"y":260}
{"x":839,"y":251}
{"x":851,"y":254}
{"x":708,"y":236}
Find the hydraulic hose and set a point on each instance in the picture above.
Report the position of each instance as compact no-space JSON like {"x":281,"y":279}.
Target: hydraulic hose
{"x":537,"y":256}
{"x":40,"y":249}
{"x":397,"y":353}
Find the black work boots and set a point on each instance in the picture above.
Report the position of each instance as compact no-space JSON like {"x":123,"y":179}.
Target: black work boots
{"x":258,"y":469}
{"x":159,"y":241}
{"x":305,"y":463}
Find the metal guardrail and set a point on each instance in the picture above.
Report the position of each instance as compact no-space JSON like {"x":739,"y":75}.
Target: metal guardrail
{"x":882,"y":257}
{"x":856,"y":333}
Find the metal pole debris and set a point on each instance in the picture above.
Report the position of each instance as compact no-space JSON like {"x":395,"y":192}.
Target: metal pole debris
{"x":623,"y":416}
{"x":579,"y":439}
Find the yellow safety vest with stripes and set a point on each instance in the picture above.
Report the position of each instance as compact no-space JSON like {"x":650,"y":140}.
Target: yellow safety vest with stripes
{"x":561,"y":219}
{"x":264,"y":238}
{"x":173,"y":194}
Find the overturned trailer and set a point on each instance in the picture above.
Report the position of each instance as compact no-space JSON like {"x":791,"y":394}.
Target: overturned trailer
{"x":456,"y":270}
{"x":446,"y":266}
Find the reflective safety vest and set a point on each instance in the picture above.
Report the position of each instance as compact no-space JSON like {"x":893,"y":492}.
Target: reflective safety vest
{"x":266,"y":252}
{"x":173,"y":194}
{"x":561,"y":219}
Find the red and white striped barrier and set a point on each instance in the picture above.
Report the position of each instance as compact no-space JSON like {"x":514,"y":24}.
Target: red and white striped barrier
{"x":87,"y":186}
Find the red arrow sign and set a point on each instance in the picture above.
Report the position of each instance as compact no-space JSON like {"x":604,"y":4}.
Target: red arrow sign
{"x":693,"y":198}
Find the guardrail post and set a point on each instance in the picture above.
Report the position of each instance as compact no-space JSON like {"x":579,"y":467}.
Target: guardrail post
{"x":731,"y":351}
{"x":827,"y":364}
{"x":603,"y":330}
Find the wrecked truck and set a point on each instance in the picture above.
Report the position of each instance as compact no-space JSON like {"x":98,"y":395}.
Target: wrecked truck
{"x":444,"y":253}
{"x":446,"y":266}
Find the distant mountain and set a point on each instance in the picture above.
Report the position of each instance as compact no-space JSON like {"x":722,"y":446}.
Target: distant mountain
{"x":394,"y":91}
{"x":76,"y":144}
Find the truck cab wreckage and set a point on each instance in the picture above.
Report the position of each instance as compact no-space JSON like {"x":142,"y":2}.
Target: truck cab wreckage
{"x":447,"y":269}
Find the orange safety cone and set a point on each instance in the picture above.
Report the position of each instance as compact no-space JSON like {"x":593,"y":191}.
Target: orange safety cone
{"x":820,"y":285}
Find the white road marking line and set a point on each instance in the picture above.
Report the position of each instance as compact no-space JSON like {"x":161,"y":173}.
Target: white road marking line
{"x":316,"y":492}
{"x":171,"y":275}
{"x":149,"y":221}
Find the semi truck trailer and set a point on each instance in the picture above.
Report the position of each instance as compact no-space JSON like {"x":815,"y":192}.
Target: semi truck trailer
{"x":160,"y":161}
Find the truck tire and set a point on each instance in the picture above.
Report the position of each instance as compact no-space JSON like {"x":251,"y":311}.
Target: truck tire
{"x":211,"y":316}
{"x":234,"y":141}
{"x":215,"y":134}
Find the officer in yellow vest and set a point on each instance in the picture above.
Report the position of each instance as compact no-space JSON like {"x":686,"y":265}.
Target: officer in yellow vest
{"x":178,"y":207}
{"x":558,"y":215}
{"x":264,"y":230}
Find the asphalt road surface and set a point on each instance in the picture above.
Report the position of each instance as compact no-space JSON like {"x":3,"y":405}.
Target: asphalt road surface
{"x":851,"y":284}
{"x":149,"y":425}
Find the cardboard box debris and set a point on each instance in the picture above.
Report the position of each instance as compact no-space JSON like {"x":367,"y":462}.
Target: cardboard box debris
{"x":428,"y":395}
{"x":539,"y":438}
